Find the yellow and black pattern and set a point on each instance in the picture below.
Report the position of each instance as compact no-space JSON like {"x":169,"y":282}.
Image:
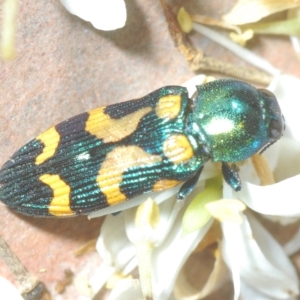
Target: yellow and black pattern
{"x":102,"y":157}
{"x":114,"y":153}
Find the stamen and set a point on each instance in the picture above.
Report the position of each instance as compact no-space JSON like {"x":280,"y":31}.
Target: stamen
{"x":262,"y":169}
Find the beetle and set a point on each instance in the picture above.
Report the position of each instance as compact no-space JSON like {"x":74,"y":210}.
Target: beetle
{"x":111,"y":154}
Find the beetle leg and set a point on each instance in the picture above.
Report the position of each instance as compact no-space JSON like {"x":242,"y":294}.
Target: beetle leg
{"x":231,"y":176}
{"x":189,"y":185}
{"x":116,"y":213}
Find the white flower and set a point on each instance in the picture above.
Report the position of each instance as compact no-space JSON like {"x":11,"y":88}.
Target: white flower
{"x":257,"y":261}
{"x":104,"y":15}
{"x":171,"y":248}
{"x":8,"y":290}
{"x":282,"y":198}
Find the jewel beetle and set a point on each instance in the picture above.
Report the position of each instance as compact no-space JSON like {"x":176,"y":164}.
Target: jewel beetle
{"x":111,"y":154}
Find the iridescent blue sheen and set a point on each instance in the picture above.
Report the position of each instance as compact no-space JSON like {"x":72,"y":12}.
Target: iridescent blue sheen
{"x":226,"y":121}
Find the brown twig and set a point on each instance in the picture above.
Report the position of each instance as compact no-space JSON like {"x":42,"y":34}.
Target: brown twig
{"x":29,"y":286}
{"x":199,"y":61}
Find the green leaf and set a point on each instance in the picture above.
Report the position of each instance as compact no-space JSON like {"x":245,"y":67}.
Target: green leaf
{"x":196,"y":215}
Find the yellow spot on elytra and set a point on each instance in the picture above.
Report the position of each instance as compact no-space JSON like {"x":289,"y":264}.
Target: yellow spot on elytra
{"x":164,"y":184}
{"x":117,"y":161}
{"x":178,"y":148}
{"x":50,"y":139}
{"x":168,"y":107}
{"x":60,"y":203}
{"x":112,"y":130}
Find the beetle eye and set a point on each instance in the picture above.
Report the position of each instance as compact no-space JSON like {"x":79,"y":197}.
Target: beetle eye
{"x":267,"y":93}
{"x":275,"y":129}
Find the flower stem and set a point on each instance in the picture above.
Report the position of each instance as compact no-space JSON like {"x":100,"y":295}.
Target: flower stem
{"x":262,"y":169}
{"x":144,"y":255}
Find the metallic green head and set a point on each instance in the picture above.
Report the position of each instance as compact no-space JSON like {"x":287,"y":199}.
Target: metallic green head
{"x":236,"y":120}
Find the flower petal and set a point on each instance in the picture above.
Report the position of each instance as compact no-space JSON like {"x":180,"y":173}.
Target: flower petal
{"x":104,"y":15}
{"x":280,"y":199}
{"x":246,"y":11}
{"x":171,"y":255}
{"x":256,"y":257}
{"x":226,"y":210}
{"x":295,"y":13}
{"x":295,"y":40}
{"x":293,"y":245}
{"x":249,"y":293}
{"x":216,"y":277}
{"x":193,"y":82}
{"x":274,"y":199}
{"x":287,"y":90}
{"x":168,"y":211}
{"x":114,"y":246}
{"x":126,"y":289}
{"x":8,"y":290}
